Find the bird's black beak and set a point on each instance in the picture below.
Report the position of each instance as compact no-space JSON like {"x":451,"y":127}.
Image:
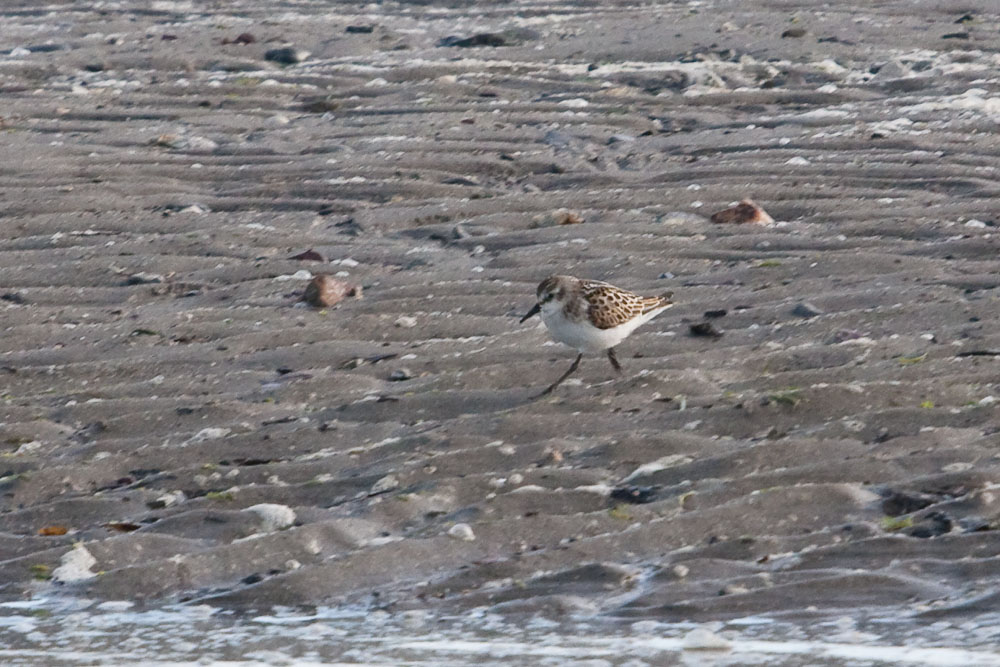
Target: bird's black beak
{"x":534,"y":311}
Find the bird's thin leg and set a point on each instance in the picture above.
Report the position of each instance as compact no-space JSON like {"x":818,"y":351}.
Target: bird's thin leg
{"x":614,"y":360}
{"x":565,"y":375}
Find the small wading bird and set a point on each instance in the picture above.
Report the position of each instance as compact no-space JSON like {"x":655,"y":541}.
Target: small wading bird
{"x":592,"y":316}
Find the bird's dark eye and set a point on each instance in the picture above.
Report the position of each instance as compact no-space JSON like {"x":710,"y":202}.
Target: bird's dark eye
{"x":548,"y":297}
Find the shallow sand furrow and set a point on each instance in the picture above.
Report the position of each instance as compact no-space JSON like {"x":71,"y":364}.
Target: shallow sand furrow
{"x":833,"y":447}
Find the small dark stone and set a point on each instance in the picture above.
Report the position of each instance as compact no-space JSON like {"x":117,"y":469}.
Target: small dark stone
{"x":898,"y":503}
{"x":956,"y":35}
{"x":252,"y":579}
{"x":143,"y":278}
{"x":966,"y":18}
{"x":94,"y":67}
{"x":933,"y":524}
{"x":794,"y":33}
{"x":713,"y":314}
{"x":244,"y":38}
{"x":883,"y":436}
{"x":974,"y":524}
{"x":461,"y":180}
{"x":90,"y":432}
{"x":308,"y":256}
{"x":511,"y":37}
{"x":350,"y":227}
{"x":634,"y":494}
{"x":168,"y":38}
{"x":806,"y":309}
{"x":359,"y":29}
{"x":704,"y":329}
{"x":13,"y":297}
{"x":400,"y":374}
{"x":481,"y":39}
{"x":288,"y":55}
{"x":46,"y":48}
{"x":320,"y":105}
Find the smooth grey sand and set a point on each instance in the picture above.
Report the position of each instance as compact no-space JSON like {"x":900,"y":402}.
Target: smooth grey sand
{"x":834,"y":452}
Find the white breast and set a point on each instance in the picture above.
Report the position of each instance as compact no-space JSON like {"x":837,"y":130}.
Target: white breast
{"x":584,"y":336}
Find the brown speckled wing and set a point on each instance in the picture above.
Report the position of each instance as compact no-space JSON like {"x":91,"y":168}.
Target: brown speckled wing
{"x":611,"y":307}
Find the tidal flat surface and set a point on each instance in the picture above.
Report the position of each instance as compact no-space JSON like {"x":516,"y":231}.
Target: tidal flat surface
{"x":178,"y":428}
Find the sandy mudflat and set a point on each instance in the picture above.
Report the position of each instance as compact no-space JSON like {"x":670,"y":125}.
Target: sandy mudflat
{"x":833,"y":453}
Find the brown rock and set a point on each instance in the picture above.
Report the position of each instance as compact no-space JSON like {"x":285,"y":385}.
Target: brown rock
{"x":242,"y":38}
{"x":746,"y":211}
{"x":324,"y":291}
{"x":308,"y":256}
{"x":560,"y":216}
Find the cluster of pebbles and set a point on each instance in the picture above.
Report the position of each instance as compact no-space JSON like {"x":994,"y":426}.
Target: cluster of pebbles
{"x":264,"y":263}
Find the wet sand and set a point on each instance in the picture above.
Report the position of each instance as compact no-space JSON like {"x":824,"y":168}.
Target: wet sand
{"x":198,"y":434}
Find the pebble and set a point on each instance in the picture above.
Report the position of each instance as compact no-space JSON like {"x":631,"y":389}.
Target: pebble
{"x":143,"y":278}
{"x":400,"y":374}
{"x":746,"y":211}
{"x":561,"y":216}
{"x":462,"y":531}
{"x":278,"y":120}
{"x":387,"y":483}
{"x":272,"y":516}
{"x":75,"y":565}
{"x":806,"y":309}
{"x":482,"y":39}
{"x":324,"y":291}
{"x":706,"y":329}
{"x":406,"y":322}
{"x":198,"y":145}
{"x":167,"y":500}
{"x":288,"y":55}
{"x":703,"y":639}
